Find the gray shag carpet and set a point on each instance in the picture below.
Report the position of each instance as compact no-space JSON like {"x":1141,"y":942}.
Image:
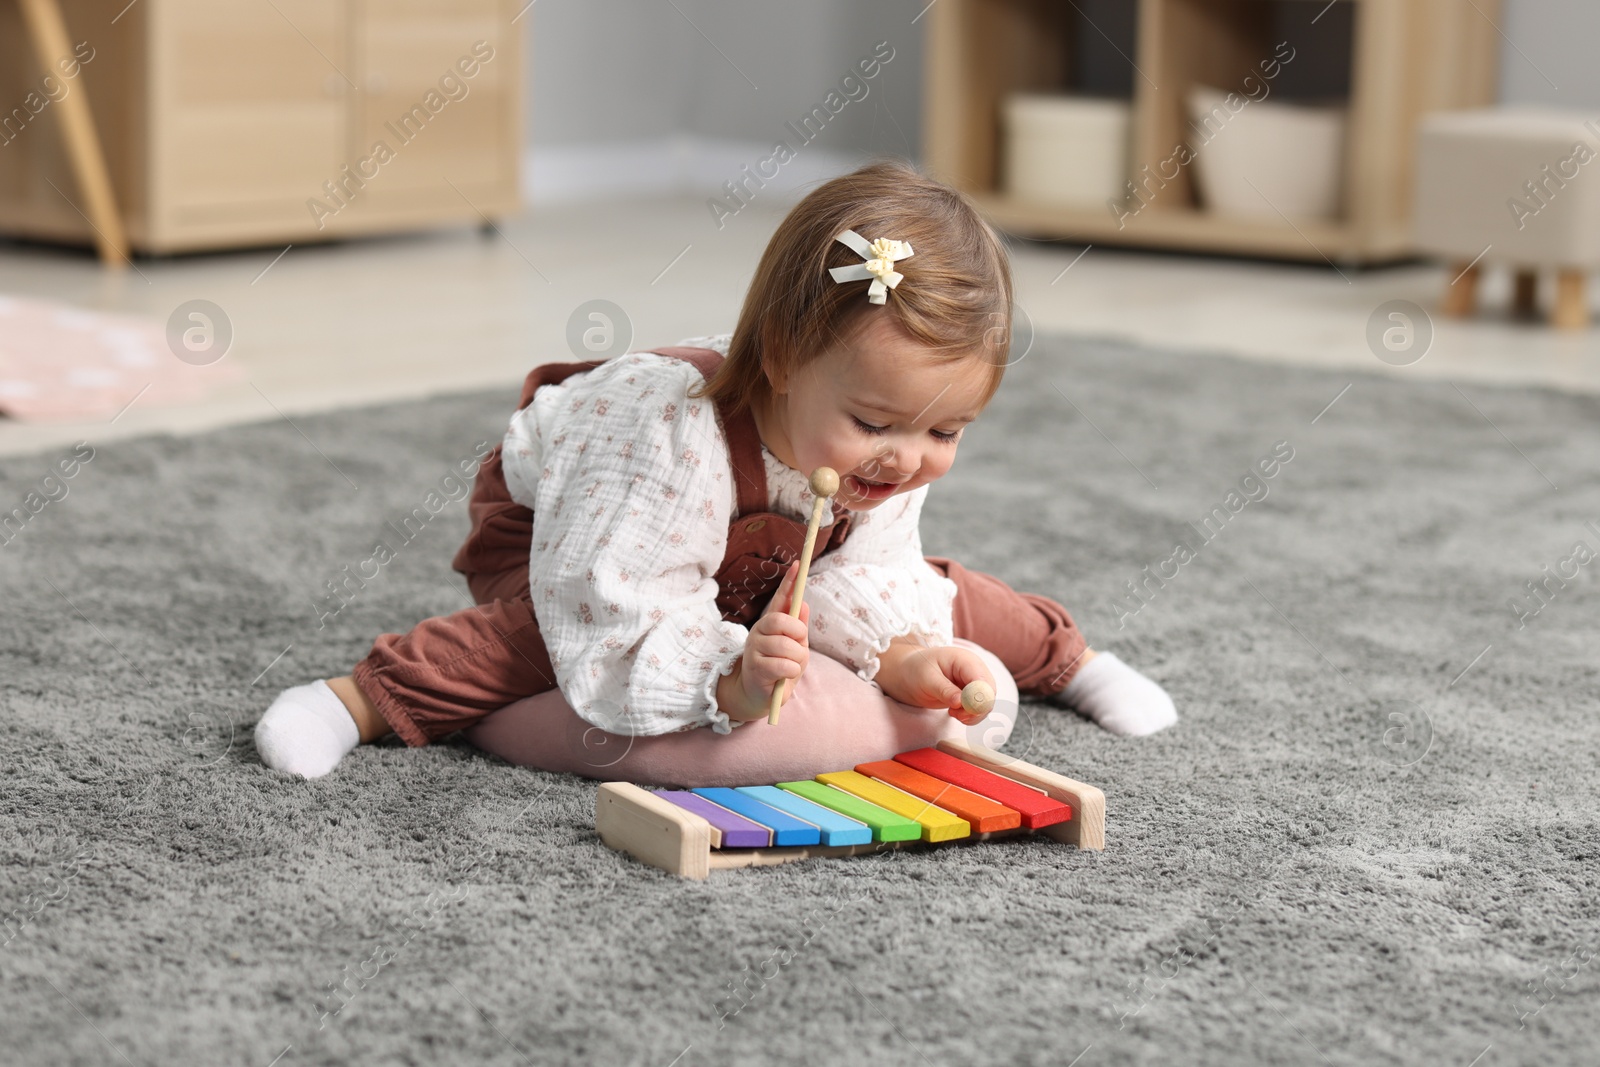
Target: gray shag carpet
{"x":1370,"y":839}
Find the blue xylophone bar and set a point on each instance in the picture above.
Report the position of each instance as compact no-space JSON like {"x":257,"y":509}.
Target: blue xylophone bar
{"x":786,"y":829}
{"x":836,"y":829}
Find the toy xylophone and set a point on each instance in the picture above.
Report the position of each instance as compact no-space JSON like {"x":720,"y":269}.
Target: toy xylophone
{"x":956,"y":792}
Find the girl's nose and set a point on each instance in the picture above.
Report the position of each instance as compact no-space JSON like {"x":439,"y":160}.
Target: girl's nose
{"x":900,"y":466}
{"x":884,"y":464}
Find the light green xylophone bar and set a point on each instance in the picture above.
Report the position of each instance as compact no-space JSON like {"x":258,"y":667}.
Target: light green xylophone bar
{"x":886,"y":825}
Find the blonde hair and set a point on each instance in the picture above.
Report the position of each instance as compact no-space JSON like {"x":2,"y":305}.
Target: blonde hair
{"x":955,"y":297}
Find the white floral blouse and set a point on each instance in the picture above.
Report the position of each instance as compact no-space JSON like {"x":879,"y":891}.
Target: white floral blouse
{"x":632,"y":493}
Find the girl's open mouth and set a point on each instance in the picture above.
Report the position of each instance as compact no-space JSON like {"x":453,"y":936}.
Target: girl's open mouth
{"x":866,"y":490}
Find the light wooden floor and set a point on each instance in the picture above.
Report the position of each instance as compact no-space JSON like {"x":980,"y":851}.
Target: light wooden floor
{"x":339,"y":325}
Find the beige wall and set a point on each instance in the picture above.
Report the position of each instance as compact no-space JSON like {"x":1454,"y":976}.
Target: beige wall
{"x":614,"y":71}
{"x":1547,"y":55}
{"x":618,"y":70}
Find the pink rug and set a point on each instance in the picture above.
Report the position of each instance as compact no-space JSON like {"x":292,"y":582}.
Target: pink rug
{"x":59,"y":362}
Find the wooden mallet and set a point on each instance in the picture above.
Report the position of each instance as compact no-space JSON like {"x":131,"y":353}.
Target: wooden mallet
{"x":978,"y":698}
{"x":824,"y":484}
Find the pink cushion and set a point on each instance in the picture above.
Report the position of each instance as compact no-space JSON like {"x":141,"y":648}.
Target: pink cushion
{"x":833,"y":721}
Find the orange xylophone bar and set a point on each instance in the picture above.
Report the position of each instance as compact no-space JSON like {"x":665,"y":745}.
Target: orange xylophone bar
{"x":958,"y":792}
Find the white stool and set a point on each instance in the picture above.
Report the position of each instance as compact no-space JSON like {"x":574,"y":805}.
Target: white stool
{"x":1514,"y":187}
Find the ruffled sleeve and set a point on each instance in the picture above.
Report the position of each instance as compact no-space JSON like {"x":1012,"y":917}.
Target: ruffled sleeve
{"x":877,"y":586}
{"x":631,"y":501}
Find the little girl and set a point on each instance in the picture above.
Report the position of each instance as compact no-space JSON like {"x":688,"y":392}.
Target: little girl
{"x":635,"y":537}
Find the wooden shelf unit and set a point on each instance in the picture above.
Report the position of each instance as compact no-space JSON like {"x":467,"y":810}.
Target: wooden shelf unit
{"x":1407,"y":58}
{"x":221,"y":119}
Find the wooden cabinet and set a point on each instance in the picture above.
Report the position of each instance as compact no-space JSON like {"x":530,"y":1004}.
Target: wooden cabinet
{"x":1397,"y":60}
{"x":403,"y":48}
{"x":238,"y":122}
{"x":247,"y":117}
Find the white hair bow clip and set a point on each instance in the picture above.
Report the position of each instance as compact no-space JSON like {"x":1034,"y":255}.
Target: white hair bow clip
{"x":880,"y":258}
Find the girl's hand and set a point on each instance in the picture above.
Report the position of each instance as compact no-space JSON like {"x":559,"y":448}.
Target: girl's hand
{"x":932,"y":677}
{"x":778,"y":647}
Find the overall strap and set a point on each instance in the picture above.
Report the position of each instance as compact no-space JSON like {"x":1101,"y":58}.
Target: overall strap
{"x":738,"y":426}
{"x":552,"y":374}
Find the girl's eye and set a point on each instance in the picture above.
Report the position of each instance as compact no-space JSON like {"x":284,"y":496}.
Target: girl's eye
{"x":946,"y":435}
{"x":867,"y":427}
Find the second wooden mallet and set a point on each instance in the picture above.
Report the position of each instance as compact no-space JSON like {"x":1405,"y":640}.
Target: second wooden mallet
{"x":824,"y":484}
{"x":978,"y":698}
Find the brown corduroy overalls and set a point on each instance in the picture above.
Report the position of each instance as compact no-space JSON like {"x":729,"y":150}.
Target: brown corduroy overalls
{"x":450,"y":671}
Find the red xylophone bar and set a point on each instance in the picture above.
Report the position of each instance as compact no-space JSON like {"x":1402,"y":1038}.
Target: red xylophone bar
{"x":1038,"y":810}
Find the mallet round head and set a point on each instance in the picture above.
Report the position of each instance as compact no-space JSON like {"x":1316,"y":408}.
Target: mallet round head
{"x":978,"y":697}
{"x":825,"y":481}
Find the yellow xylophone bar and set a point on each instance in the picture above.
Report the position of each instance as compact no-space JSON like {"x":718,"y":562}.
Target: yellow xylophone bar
{"x":656,"y":831}
{"x":936,"y":823}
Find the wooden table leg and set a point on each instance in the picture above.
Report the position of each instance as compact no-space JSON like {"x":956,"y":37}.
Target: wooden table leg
{"x":1525,"y":297}
{"x":1461,"y":297}
{"x":1571,"y":310}
{"x":50,"y":44}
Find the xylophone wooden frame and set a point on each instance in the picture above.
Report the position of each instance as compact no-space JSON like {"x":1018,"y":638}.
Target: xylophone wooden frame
{"x":654,"y":831}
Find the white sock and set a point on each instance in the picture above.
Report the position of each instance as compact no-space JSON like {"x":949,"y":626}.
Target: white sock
{"x":306,"y":731}
{"x":1118,"y":698}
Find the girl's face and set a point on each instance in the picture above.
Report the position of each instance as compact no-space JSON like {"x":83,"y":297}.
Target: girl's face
{"x":880,"y":410}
